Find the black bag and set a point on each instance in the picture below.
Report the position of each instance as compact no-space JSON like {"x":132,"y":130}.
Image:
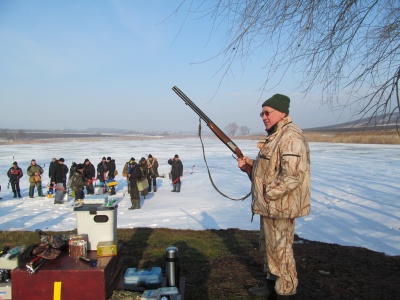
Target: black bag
{"x":26,"y":256}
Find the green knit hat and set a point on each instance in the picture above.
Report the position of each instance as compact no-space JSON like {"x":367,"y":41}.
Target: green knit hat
{"x":278,"y":102}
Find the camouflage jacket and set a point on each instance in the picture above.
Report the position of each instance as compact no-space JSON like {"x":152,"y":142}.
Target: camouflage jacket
{"x":153,"y":167}
{"x":34,"y":169}
{"x":281,"y":174}
{"x":77,"y":181}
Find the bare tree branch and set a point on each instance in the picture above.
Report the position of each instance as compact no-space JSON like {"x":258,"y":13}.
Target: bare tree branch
{"x":349,"y":48}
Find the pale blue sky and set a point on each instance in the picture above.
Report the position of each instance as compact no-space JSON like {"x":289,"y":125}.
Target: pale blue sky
{"x":81,"y":64}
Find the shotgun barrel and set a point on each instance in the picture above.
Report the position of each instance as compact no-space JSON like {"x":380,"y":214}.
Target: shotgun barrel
{"x":214,"y":128}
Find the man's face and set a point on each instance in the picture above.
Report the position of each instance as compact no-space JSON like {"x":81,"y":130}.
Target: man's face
{"x":271,"y":116}
{"x":87,"y":163}
{"x":33,"y":162}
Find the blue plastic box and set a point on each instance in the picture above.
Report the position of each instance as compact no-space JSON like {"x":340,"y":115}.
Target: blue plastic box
{"x":142,"y":278}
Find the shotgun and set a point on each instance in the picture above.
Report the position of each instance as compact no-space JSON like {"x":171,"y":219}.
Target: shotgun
{"x":214,"y":128}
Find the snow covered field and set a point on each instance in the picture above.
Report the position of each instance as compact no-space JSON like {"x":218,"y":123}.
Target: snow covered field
{"x":355,"y":190}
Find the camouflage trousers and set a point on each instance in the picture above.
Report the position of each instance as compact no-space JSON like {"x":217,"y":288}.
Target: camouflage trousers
{"x":276,"y":240}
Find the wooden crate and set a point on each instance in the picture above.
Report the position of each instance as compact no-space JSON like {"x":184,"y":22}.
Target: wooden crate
{"x":78,"y":279}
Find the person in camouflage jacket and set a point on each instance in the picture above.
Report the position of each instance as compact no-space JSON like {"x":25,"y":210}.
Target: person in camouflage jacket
{"x":35,"y":171}
{"x":152,"y":165}
{"x":78,"y":182}
{"x":280,"y":177}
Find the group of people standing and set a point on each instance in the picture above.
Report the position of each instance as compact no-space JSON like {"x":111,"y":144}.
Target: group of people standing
{"x":83,"y":176}
{"x":141,"y":177}
{"x":34,"y":172}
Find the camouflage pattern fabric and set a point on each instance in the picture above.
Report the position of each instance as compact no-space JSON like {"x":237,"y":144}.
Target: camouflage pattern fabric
{"x":276,"y":240}
{"x":33,"y":179}
{"x":281,"y":174}
{"x":281,"y":193}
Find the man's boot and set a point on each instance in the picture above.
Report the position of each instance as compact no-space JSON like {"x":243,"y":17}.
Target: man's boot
{"x":267,"y":292}
{"x":15,"y":194}
{"x":137,"y":203}
{"x":174,"y":188}
{"x":259,"y":291}
{"x":19,"y":193}
{"x":178,"y":187}
{"x":154,"y":188}
{"x":31,"y":191}
{"x":133,"y":204}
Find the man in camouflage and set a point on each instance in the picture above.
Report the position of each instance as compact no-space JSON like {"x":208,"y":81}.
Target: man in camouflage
{"x":152,"y":164}
{"x":35,"y":171}
{"x":280,"y":177}
{"x":78,"y":182}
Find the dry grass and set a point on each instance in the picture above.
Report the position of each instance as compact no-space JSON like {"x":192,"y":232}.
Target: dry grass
{"x":351,"y":137}
{"x":369,"y":137}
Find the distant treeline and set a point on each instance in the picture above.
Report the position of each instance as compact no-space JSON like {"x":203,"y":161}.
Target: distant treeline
{"x":10,"y":135}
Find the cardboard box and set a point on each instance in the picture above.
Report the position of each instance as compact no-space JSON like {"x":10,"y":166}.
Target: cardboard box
{"x":5,"y":290}
{"x":8,"y":264}
{"x":106,"y":248}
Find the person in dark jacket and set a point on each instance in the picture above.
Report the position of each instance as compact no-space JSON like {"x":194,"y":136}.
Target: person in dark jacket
{"x":176,"y":173}
{"x":52,"y":165}
{"x":51,"y":170}
{"x":14,"y":174}
{"x":58,"y":179}
{"x":102,"y":169}
{"x":89,"y":173}
{"x":145,"y":172}
{"x":134,"y":174}
{"x":111,"y":173}
{"x":72,"y":169}
{"x":125,"y":172}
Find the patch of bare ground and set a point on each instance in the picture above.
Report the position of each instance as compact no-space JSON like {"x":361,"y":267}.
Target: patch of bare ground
{"x":325,"y":271}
